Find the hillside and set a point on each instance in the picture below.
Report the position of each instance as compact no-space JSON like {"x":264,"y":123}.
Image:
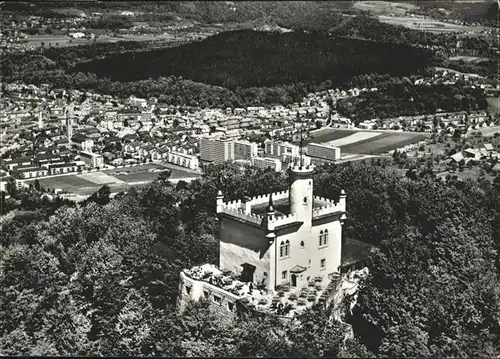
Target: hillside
{"x":248,"y":58}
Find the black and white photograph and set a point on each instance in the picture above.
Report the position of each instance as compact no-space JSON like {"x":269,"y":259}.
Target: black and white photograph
{"x":247,"y":179}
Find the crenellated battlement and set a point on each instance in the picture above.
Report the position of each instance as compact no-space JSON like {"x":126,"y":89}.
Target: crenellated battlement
{"x":283,"y":219}
{"x":233,"y":204}
{"x":330,"y":206}
{"x":301,"y":169}
{"x":324,"y":200}
{"x":241,"y":214}
{"x":264,"y":198}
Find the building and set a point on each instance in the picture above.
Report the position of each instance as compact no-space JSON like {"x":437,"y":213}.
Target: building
{"x":323,"y":151}
{"x":216,"y":151}
{"x":264,"y":162}
{"x":279,"y":253}
{"x":277,"y":149}
{"x":69,"y":126}
{"x":94,"y":160}
{"x":182,"y":159}
{"x":82,"y":141}
{"x":245,"y":150}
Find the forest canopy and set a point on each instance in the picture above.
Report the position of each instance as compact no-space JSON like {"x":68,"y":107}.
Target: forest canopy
{"x":247,"y":58}
{"x":101,"y":278}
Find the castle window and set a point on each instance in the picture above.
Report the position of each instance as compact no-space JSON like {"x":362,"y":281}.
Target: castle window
{"x":284,"y":275}
{"x":230,"y":306}
{"x":302,"y":244}
{"x":305,"y":199}
{"x":323,"y":264}
{"x":217,"y":299}
{"x":284,"y":249}
{"x":206,"y":294}
{"x":188,"y":289}
{"x":323,"y":238}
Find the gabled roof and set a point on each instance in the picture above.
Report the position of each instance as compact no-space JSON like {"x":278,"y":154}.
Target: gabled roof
{"x":457,"y":156}
{"x":488,"y":147}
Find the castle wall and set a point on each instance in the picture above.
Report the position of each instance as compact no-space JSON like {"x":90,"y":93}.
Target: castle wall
{"x":244,"y":243}
{"x":190,"y":289}
{"x":332,"y":252}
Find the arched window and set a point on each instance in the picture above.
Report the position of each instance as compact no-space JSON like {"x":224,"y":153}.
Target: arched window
{"x":305,"y":199}
{"x":282,"y":250}
{"x":325,"y":237}
{"x":287,"y":248}
{"x":320,"y":238}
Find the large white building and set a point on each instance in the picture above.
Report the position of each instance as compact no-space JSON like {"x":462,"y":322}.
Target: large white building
{"x":323,"y":151}
{"x":245,"y":150}
{"x":264,"y":162}
{"x":276,"y":249}
{"x":94,"y":160}
{"x":216,"y":151}
{"x":278,"y":149}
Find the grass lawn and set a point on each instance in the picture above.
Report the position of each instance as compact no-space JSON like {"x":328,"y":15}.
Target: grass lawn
{"x":328,"y":134}
{"x":66,"y":183}
{"x":383,"y":143}
{"x":146,"y":172}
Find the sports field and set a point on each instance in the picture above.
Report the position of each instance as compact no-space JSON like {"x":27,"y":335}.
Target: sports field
{"x":117,"y":179}
{"x":366,"y":142}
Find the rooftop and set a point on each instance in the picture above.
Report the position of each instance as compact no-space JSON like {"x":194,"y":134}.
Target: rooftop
{"x":281,"y":206}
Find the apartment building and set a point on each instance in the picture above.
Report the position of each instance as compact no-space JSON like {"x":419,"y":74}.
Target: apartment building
{"x":93,"y":160}
{"x":216,"y":151}
{"x":263,"y":162}
{"x":277,"y":149}
{"x":245,"y":150}
{"x":323,"y":151}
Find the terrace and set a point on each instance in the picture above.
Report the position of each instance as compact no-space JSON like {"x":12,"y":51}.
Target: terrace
{"x":286,"y":301}
{"x":281,"y":206}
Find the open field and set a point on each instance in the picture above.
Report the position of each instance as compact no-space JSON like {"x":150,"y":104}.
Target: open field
{"x":118,"y":179}
{"x":354,"y":138}
{"x":424,"y":24}
{"x":384,"y":143}
{"x":66,"y":183}
{"x":147,"y":172}
{"x":383,"y":7}
{"x":367,"y":142}
{"x":327,"y":135}
{"x":493,"y":105}
{"x":486,"y":131}
{"x":66,"y":41}
{"x":468,"y":58}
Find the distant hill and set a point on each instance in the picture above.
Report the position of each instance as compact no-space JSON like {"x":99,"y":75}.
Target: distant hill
{"x":485,"y":12}
{"x":249,"y":58}
{"x":296,"y":14}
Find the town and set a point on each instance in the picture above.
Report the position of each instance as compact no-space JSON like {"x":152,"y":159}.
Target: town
{"x":51,"y":132}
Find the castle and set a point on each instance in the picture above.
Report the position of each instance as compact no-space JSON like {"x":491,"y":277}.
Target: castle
{"x":278,"y":252}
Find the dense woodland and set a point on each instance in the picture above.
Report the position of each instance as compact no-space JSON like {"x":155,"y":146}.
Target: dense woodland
{"x":399,"y":97}
{"x":248,"y":58}
{"x":482,"y":12}
{"x":100,"y":278}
